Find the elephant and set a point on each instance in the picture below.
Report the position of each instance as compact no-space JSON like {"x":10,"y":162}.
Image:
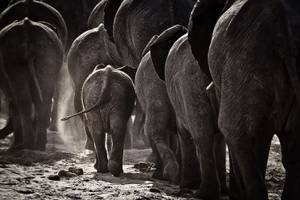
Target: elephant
{"x":108,"y":99}
{"x":88,"y":50}
{"x":28,"y":74}
{"x":37,"y":11}
{"x":160,"y":121}
{"x":252,"y":60}
{"x":136,"y":21}
{"x":196,"y":117}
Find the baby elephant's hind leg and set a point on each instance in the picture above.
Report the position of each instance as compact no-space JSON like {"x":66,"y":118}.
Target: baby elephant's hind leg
{"x":98,"y":137}
{"x":117,"y":131}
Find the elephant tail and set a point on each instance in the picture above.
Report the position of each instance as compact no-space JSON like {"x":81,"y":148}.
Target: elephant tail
{"x":103,"y":97}
{"x":35,"y":80}
{"x":203,"y":19}
{"x":159,"y":49}
{"x":29,"y":56}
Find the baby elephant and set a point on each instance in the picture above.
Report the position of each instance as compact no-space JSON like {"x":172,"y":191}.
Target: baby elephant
{"x":108,"y":99}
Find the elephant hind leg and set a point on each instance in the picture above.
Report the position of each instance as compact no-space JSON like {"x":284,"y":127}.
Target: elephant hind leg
{"x":190,"y":170}
{"x":24,"y":105}
{"x":220,"y":158}
{"x":158,"y":174}
{"x":98,"y":138}
{"x":204,"y":139}
{"x":17,"y":128}
{"x":248,"y":167}
{"x":118,"y":127}
{"x":42,"y":122}
{"x":290,"y":147}
{"x":156,"y":128}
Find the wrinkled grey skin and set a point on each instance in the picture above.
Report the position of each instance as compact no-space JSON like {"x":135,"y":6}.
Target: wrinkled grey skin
{"x":160,"y":121}
{"x":251,"y":60}
{"x":89,"y":49}
{"x":196,"y":121}
{"x":28,"y":75}
{"x":117,"y":98}
{"x":136,"y":21}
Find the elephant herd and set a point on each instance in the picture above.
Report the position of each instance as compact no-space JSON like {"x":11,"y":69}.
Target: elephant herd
{"x":197,"y":74}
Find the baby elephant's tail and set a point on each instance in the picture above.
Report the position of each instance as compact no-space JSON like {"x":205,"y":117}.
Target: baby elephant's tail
{"x":103,"y":97}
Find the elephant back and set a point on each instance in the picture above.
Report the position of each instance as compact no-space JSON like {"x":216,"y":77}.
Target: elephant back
{"x":137,"y":21}
{"x":36,"y":42}
{"x":75,"y":14}
{"x":37,"y":11}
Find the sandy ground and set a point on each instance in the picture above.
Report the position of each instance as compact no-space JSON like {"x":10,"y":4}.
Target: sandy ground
{"x":25,"y":175}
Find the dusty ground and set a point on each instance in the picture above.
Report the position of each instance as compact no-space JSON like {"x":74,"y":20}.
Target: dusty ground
{"x":25,"y":175}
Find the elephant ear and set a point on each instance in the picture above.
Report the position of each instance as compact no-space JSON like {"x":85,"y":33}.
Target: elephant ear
{"x":129,"y":71}
{"x":159,"y":50}
{"x":203,"y":19}
{"x":151,"y":41}
{"x":110,"y":12}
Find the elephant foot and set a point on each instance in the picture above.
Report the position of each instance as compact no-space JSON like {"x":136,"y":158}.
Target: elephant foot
{"x":171,"y":172}
{"x":207,"y":193}
{"x":89,"y":145}
{"x":115,"y":168}
{"x":158,"y":174}
{"x":224,"y":190}
{"x":100,"y":169}
{"x":189,"y":184}
{"x":41,"y":147}
{"x":15,"y":147}
{"x":28,"y":146}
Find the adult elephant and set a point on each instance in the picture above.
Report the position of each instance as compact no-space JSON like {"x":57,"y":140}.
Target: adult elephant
{"x":37,"y":11}
{"x":29,"y":73}
{"x":196,"y":115}
{"x":252,"y":60}
{"x":160,"y":120}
